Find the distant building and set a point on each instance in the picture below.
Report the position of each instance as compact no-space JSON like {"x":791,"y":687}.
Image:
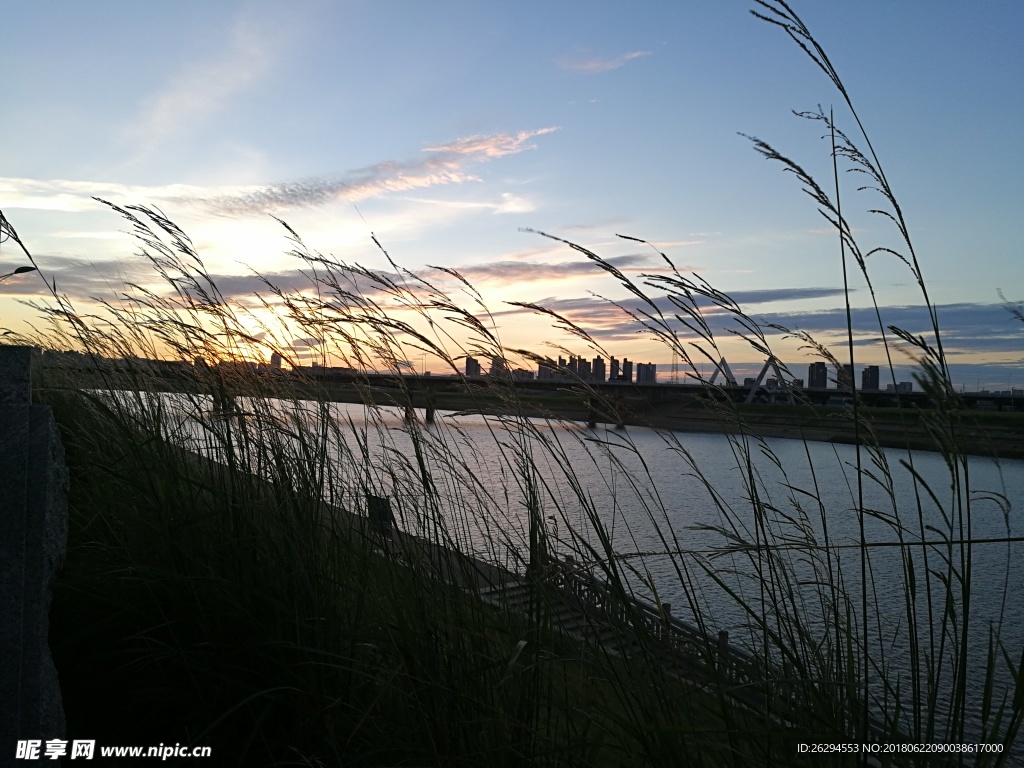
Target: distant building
{"x":646,"y":373}
{"x":817,"y":376}
{"x":275,"y":360}
{"x":844,"y":378}
{"x":553,"y":371}
{"x":499,"y":366}
{"x":749,"y":382}
{"x":627,"y":369}
{"x":615,"y":373}
{"x":579,"y":367}
{"x":597,"y":369}
{"x":797,"y":383}
{"x":521,"y":374}
{"x":583,"y":369}
{"x":869,"y":378}
{"x":472,"y":366}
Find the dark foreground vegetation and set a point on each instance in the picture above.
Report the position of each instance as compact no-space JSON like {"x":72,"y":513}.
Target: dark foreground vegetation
{"x":222,"y":587}
{"x":202,"y":605}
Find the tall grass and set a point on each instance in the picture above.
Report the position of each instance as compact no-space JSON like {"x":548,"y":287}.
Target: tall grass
{"x":227,"y":583}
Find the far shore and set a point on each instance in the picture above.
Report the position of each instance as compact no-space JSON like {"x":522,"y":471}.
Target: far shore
{"x":992,"y":434}
{"x":996,"y":435}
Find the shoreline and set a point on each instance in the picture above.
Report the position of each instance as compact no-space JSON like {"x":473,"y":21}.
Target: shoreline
{"x":995,"y":435}
{"x":989,"y":435}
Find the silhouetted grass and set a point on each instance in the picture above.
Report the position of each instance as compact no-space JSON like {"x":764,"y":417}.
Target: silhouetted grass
{"x":226,"y":584}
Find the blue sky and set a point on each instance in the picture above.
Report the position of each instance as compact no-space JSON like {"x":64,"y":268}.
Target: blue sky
{"x":447,"y":128}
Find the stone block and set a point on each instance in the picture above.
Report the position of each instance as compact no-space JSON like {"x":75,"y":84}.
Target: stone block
{"x":33,"y":539}
{"x":46,"y":533}
{"x":16,"y":375}
{"x":14,"y":437}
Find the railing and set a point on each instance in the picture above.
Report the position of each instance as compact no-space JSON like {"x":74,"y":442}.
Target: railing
{"x":748,"y":676}
{"x":658,"y":622}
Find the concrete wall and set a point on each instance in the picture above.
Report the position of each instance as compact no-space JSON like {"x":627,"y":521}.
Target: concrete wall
{"x":33,"y":538}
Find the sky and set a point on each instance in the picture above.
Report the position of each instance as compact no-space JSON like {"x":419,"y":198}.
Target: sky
{"x":457,"y":132}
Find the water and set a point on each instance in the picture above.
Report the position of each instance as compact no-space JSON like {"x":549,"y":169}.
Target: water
{"x":677,"y":509}
{"x":683,"y":514}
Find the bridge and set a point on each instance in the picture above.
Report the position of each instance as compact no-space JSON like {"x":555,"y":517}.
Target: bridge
{"x":179,"y":375}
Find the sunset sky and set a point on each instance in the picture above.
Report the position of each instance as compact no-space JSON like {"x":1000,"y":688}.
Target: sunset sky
{"x":449,"y":128}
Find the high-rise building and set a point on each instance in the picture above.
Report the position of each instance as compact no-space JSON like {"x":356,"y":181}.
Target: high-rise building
{"x":499,"y":366}
{"x":472,"y":366}
{"x":597,"y":369}
{"x":275,"y":360}
{"x":627,"y":369}
{"x":585,"y":372}
{"x":817,"y":376}
{"x":869,"y":378}
{"x":646,"y":373}
{"x":844,"y":378}
{"x":615,"y":373}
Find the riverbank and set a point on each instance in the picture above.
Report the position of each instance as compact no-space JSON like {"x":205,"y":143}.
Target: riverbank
{"x":244,"y":614}
{"x":979,"y":433}
{"x":997,"y":435}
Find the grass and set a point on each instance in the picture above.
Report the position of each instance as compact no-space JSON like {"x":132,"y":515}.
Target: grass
{"x":224,"y":584}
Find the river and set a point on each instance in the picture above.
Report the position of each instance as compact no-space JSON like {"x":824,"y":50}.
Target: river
{"x":741,"y":534}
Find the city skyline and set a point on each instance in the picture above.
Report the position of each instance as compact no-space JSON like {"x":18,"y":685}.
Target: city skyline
{"x":478,"y":125}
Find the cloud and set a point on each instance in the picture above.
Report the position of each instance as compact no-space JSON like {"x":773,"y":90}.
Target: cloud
{"x":490,"y":146}
{"x":76,"y":196}
{"x":968,"y":330}
{"x":965,"y":328}
{"x":203,"y":88}
{"x":608,"y":323}
{"x":83,"y":282}
{"x":743,"y":298}
{"x":598,"y":66}
{"x":521,"y":271}
{"x":79,"y":279}
{"x":87,"y":235}
{"x":509,"y":204}
{"x":675,"y":243}
{"x":609,"y":223}
{"x":445,"y":164}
